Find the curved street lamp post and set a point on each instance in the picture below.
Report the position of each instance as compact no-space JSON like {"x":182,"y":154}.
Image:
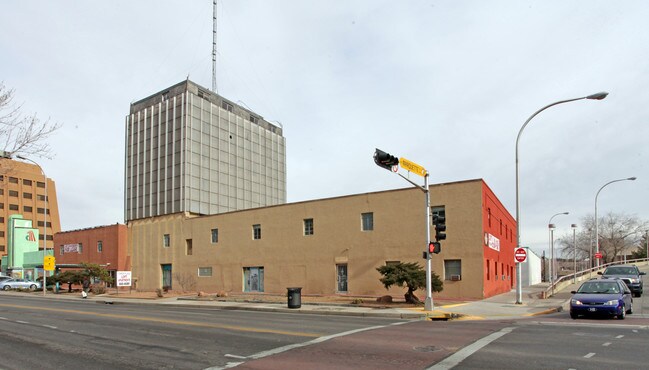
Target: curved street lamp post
{"x":597,"y":220}
{"x":519,"y":287}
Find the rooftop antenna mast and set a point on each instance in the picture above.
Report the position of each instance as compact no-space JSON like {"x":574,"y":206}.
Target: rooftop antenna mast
{"x":214,"y":46}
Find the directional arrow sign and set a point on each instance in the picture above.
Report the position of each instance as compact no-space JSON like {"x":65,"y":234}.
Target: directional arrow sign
{"x":412,"y":167}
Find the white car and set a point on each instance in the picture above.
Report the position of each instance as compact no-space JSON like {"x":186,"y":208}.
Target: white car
{"x":19,"y":283}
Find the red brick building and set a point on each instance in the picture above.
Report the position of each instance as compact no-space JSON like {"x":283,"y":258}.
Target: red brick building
{"x":103,"y":245}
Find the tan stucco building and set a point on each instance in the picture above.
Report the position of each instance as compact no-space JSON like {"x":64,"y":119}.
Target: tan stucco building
{"x":330,"y":246}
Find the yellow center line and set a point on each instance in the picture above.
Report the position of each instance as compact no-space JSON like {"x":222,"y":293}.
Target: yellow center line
{"x":175,"y":322}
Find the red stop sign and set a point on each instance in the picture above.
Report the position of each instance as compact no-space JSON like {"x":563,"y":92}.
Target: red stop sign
{"x":520,"y":255}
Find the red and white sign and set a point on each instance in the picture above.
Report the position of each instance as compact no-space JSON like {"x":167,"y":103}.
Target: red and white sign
{"x":520,"y":255}
{"x":123,"y":278}
{"x":598,"y":255}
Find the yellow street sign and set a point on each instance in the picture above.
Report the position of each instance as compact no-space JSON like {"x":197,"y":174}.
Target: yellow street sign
{"x":412,"y":167}
{"x":48,"y":263}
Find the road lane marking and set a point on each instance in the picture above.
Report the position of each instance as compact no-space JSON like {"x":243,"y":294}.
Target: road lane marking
{"x":619,"y":337}
{"x":590,"y":355}
{"x":22,"y":322}
{"x":50,"y":326}
{"x":174,"y":322}
{"x":606,"y":344}
{"x":235,"y":356}
{"x":459,"y":356}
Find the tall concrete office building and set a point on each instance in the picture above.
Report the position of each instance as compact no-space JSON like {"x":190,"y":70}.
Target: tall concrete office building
{"x":191,"y":150}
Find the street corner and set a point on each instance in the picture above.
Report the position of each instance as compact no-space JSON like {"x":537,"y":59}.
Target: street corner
{"x":547,"y":311}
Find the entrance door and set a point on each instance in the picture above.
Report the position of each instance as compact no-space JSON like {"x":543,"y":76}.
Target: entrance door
{"x":166,"y":276}
{"x":253,"y":279}
{"x":342,"y":278}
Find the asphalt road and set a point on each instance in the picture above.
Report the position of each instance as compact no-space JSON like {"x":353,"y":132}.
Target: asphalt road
{"x":37,"y":333}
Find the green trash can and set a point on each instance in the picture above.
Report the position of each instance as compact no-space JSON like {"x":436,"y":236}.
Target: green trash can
{"x":294,"y":297}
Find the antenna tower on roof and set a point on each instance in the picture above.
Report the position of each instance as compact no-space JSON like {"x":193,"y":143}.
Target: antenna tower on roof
{"x":214,"y":46}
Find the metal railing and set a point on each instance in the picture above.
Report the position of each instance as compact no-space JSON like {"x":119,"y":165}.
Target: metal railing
{"x":564,"y":281}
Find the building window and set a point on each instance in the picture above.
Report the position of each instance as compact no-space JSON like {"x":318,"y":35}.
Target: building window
{"x":254,"y":119}
{"x":367,"y":221}
{"x":2,"y":234}
{"x":13,"y":180}
{"x":40,"y":197}
{"x":256,"y":232}
{"x":392,"y":263}
{"x":27,"y":209}
{"x":308,"y":226}
{"x":13,"y":207}
{"x":453,"y":270}
{"x":40,"y":184}
{"x":2,"y":206}
{"x":41,"y":224}
{"x":27,"y":195}
{"x":2,"y":220}
{"x":2,"y":248}
{"x":215,"y":236}
{"x":488,"y":270}
{"x":27,"y":182}
{"x":42,"y":210}
{"x":13,"y":193}
{"x":61,"y":249}
{"x":165,"y":241}
{"x":189,"y":247}
{"x":227,"y":106}
{"x":489,"y":216}
{"x":80,"y":248}
{"x":100,"y":246}
{"x":204,"y":271}
{"x":2,"y":191}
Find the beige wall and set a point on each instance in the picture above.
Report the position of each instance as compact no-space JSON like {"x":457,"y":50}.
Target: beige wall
{"x":291,"y":259}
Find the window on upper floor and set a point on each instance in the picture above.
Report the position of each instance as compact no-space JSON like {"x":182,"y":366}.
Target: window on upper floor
{"x":367,"y":221}
{"x":13,"y":193}
{"x":215,"y":236}
{"x":308,"y":226}
{"x":100,"y":246}
{"x":256,"y":232}
{"x":166,"y":242}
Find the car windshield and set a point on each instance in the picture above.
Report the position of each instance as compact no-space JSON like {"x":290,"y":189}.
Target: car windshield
{"x":599,"y":288}
{"x":620,"y":271}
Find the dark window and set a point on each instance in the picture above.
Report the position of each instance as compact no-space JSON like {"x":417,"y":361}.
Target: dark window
{"x":13,"y":193}
{"x":13,"y":180}
{"x":215,"y":236}
{"x":367,"y":221}
{"x":2,"y":248}
{"x":27,"y":195}
{"x":256,"y":232}
{"x":13,"y":207}
{"x":27,"y":182}
{"x":40,"y":184}
{"x":308,"y":226}
{"x":189,"y":247}
{"x":165,"y":241}
{"x":227,"y":106}
{"x":27,"y":209}
{"x":100,"y":246}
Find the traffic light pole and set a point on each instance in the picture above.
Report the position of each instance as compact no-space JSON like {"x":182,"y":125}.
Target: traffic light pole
{"x":428,"y":303}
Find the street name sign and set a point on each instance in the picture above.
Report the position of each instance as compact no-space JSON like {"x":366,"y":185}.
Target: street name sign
{"x":412,"y":167}
{"x":520,"y":255}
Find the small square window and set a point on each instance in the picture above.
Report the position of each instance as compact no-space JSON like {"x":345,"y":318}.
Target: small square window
{"x":308,"y":226}
{"x":256,"y":232}
{"x":215,"y":236}
{"x":453,"y":270}
{"x":165,"y":241}
{"x":367,"y":221}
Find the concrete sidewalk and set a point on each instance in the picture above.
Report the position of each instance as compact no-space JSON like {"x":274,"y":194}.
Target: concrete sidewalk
{"x":498,"y":307}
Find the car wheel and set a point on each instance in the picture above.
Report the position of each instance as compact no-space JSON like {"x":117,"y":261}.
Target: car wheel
{"x":6,"y":287}
{"x":622,"y":314}
{"x":630,"y":310}
{"x":32,"y":287}
{"x":573,"y":315}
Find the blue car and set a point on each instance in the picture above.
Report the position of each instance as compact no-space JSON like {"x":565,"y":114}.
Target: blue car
{"x":602,"y":297}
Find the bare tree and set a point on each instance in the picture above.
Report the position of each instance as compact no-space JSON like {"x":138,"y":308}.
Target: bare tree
{"x":23,"y":134}
{"x":619,"y":234}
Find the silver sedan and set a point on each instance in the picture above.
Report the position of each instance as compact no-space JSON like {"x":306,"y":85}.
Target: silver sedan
{"x":19,"y":284}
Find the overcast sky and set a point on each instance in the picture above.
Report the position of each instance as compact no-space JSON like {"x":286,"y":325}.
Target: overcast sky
{"x":446,"y":84}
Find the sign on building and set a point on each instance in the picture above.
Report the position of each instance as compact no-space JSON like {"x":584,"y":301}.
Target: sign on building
{"x":71,"y":248}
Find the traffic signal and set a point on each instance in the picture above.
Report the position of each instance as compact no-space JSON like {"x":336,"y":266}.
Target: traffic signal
{"x":434,"y":247}
{"x":440,"y":227}
{"x":385,"y":160}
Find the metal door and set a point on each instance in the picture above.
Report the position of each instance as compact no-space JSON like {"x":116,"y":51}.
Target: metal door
{"x":342,"y":278}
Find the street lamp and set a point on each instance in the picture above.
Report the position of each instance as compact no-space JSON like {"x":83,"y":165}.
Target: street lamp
{"x":552,"y":265}
{"x":574,"y":245}
{"x":519,"y":286}
{"x":597,"y":221}
{"x":44,"y":222}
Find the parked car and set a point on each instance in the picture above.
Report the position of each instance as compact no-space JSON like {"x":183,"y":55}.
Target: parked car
{"x":3,"y":278}
{"x":630,"y":274}
{"x":19,"y":283}
{"x":602,"y":297}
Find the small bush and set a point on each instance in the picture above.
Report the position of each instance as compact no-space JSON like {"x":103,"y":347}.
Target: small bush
{"x":159,"y":293}
{"x":98,"y":289}
{"x":357,"y":301}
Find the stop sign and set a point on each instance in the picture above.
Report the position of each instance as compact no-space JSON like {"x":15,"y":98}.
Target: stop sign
{"x":520,"y":255}
{"x":598,"y":255}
